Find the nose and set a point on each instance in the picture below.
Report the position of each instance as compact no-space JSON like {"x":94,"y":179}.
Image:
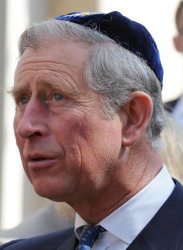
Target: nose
{"x":32,"y":121}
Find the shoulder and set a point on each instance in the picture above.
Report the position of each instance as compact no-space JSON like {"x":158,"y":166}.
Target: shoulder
{"x":47,"y":241}
{"x":169,"y":106}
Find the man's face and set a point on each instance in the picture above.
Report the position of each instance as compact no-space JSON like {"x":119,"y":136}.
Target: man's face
{"x":67,"y":146}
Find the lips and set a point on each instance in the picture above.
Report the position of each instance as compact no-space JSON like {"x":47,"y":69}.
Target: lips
{"x":36,"y":162}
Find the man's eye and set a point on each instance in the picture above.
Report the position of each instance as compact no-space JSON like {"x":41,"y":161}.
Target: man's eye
{"x":23,"y":101}
{"x":58,"y":97}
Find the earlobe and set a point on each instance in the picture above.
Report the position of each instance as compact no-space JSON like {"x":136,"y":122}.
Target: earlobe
{"x":138,"y":112}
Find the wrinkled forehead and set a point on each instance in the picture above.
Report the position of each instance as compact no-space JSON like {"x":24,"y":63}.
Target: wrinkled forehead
{"x":55,"y":55}
{"x":56,"y":65}
{"x":55,"y":50}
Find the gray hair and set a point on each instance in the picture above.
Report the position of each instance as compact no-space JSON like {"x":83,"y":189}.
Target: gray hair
{"x":112,"y":71}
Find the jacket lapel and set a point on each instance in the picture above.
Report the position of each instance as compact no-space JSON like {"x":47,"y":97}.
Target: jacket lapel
{"x":164,"y":231}
{"x":69,"y":244}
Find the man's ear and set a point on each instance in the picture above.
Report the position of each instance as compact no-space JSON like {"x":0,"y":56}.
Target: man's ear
{"x":138,"y":114}
{"x":178,"y":44}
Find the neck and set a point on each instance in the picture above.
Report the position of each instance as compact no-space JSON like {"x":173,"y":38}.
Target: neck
{"x":127,"y":181}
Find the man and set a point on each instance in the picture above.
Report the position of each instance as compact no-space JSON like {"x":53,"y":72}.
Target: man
{"x":176,"y":106}
{"x":88,"y":117}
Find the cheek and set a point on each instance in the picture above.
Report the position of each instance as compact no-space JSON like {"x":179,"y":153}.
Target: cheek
{"x":70,"y":129}
{"x":15,"y":126}
{"x":19,"y":140}
{"x":20,"y":143}
{"x":15,"y":123}
{"x":91,"y":139}
{"x":68,"y":133}
{"x":78,"y":142}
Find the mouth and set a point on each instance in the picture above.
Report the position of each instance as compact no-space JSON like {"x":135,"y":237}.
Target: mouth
{"x":38,"y":159}
{"x":36,"y":163}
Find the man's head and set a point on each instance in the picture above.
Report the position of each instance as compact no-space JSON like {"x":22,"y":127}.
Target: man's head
{"x":84,"y":104}
{"x":113,"y":54}
{"x":178,"y":39}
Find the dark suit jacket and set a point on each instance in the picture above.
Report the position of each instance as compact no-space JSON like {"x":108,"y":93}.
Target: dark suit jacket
{"x":164,"y":231}
{"x":169,"y":106}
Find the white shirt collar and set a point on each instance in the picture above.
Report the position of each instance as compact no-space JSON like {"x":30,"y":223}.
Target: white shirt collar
{"x":128,"y":220}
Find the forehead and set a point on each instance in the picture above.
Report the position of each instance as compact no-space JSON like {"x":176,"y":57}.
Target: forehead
{"x":53,"y":58}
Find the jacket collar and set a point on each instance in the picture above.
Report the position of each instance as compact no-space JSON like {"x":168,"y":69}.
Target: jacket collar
{"x":165,"y":230}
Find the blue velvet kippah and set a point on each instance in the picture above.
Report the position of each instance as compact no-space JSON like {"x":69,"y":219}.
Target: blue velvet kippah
{"x":129,"y":34}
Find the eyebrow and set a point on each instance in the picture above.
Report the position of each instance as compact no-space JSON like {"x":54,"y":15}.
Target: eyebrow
{"x":54,"y":86}
{"x":17,"y":90}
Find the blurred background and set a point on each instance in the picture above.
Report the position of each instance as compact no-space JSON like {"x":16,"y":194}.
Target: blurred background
{"x":17,"y":197}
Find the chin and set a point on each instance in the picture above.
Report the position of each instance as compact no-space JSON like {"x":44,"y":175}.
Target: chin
{"x":49,"y":190}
